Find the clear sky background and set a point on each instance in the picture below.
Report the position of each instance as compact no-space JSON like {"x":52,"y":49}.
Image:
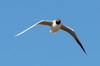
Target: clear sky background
{"x":39,"y":47}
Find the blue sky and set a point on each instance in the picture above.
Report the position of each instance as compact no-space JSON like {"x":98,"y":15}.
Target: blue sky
{"x":39,"y":47}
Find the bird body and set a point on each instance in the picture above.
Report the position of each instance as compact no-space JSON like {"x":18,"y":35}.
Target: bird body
{"x":55,"y":26}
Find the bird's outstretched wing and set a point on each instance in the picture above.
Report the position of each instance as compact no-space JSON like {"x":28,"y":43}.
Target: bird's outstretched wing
{"x":47,"y":23}
{"x":71,"y":31}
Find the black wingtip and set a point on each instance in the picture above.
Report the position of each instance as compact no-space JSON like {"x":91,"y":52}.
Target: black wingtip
{"x":86,"y":54}
{"x":84,"y":50}
{"x":81,"y":46}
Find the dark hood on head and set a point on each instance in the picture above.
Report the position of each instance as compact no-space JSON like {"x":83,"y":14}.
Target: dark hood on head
{"x":58,"y":21}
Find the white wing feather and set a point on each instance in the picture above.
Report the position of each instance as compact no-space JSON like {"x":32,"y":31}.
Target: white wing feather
{"x":27,"y":29}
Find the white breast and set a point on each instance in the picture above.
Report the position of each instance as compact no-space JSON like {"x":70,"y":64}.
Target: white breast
{"x":55,"y":27}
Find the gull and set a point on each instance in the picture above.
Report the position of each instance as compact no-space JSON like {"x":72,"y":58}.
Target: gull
{"x":55,"y":26}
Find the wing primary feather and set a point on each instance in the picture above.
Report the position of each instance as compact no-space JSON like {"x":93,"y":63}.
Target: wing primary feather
{"x":26,"y":30}
{"x":81,"y":45}
{"x":71,"y":31}
{"x":77,"y":40}
{"x":42,"y":22}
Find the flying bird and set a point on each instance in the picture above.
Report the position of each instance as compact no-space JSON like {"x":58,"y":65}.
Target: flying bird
{"x":55,"y":26}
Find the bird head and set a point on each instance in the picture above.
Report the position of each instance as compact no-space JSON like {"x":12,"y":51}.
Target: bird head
{"x":58,"y":21}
